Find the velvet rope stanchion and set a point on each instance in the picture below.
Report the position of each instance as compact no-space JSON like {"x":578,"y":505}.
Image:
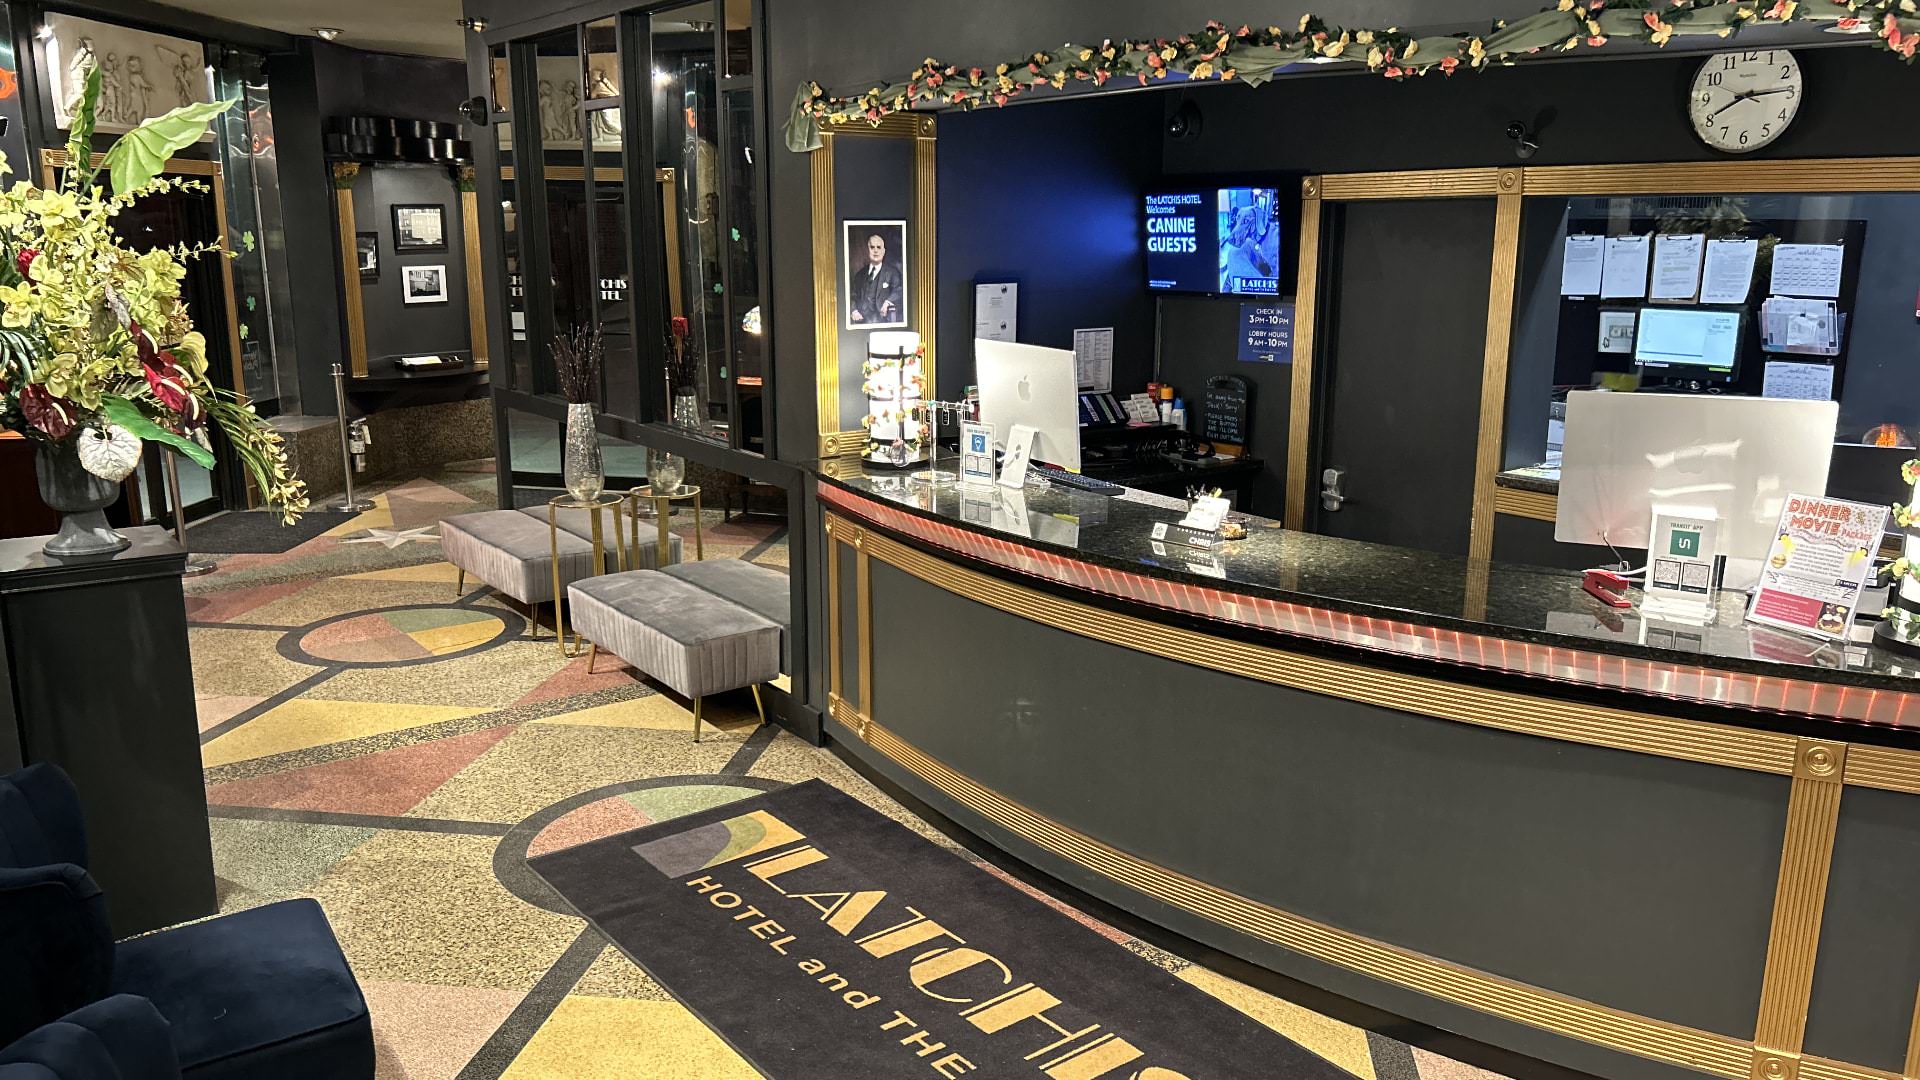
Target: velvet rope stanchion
{"x":1254,"y":54}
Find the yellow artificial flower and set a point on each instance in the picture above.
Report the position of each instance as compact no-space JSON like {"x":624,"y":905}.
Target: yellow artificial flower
{"x":1202,"y":70}
{"x":1304,"y":20}
{"x":1169,"y":53}
{"x":1375,"y":58}
{"x":1364,"y":37}
{"x":1086,"y":55}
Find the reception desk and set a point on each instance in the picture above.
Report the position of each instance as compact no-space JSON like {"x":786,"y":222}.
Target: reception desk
{"x":1463,"y":792}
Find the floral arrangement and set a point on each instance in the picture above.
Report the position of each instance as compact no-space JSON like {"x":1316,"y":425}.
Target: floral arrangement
{"x":96,"y":347}
{"x":578,"y":354}
{"x":1253,"y":54}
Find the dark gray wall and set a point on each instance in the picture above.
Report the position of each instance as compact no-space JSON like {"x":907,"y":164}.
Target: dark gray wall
{"x":315,"y":82}
{"x":394,"y":327}
{"x":1200,"y":338}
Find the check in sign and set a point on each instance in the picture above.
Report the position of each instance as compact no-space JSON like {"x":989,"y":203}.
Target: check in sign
{"x":1266,"y":332}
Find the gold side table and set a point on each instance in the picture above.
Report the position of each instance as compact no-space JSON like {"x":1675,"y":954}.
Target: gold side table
{"x":606,"y":500}
{"x":662,"y":509}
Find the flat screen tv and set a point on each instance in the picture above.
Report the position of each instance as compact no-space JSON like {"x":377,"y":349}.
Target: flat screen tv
{"x":1223,"y":240}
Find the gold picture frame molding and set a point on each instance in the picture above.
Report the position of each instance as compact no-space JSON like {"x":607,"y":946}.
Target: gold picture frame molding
{"x":1820,"y":771}
{"x":836,"y":437}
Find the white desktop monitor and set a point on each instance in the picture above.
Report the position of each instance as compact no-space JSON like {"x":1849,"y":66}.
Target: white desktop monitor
{"x":1692,"y":341}
{"x":1739,"y":456}
{"x":1027,"y":384}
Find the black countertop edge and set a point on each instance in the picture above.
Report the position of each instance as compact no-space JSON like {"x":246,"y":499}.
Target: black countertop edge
{"x":1521,"y":482}
{"x":1887,"y":671}
{"x":24,"y":567}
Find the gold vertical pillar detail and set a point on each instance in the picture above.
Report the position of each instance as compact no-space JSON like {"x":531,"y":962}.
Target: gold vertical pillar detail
{"x":863,"y":610}
{"x":834,"y":658}
{"x":476,"y":272}
{"x":1493,"y":369}
{"x":344,"y":174}
{"x":1912,"y":1069}
{"x":1806,"y":856}
{"x":1300,"y":409}
{"x":826,"y":295}
{"x":925,"y":261}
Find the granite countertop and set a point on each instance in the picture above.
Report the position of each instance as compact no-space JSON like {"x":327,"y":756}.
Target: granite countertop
{"x":1542,"y":478}
{"x":1522,"y":603}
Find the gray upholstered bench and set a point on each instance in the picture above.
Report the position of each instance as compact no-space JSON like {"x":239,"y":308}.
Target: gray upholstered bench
{"x":765,"y":592}
{"x":686,"y":637}
{"x":514,"y":552}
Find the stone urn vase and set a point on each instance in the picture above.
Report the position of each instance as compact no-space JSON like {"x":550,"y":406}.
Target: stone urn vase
{"x":80,"y":497}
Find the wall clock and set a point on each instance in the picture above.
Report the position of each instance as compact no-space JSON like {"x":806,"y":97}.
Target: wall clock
{"x":1742,"y":101}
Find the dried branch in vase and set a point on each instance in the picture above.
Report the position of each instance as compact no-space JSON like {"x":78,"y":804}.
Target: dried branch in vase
{"x":577,"y":355}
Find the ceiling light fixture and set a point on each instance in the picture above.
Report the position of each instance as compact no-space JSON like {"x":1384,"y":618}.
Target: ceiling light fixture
{"x":327,"y":33}
{"x":476,"y":25}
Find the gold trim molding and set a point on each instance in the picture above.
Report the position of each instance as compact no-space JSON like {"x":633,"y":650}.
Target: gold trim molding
{"x":1306,"y":308}
{"x":1521,"y":502}
{"x":1567,"y":721}
{"x":1493,"y":367}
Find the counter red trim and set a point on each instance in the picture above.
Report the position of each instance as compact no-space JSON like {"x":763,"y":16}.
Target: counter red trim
{"x":1677,"y":682}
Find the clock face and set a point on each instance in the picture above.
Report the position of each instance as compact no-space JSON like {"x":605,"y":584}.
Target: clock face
{"x":1741,"y":101}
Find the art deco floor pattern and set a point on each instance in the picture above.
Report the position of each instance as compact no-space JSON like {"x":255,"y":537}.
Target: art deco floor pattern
{"x":395,"y":752}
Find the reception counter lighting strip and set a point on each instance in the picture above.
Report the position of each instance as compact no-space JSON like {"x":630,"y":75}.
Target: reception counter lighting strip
{"x":1677,"y":682}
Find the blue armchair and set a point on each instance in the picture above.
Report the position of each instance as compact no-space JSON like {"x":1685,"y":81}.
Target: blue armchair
{"x":259,"y":993}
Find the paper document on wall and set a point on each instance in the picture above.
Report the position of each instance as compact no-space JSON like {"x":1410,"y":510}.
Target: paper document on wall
{"x":1093,"y":359}
{"x":1676,"y":266}
{"x":1616,"y":331}
{"x":1807,"y":269}
{"x":996,"y":309}
{"x":1580,"y":267}
{"x":1623,"y":271}
{"x":1728,"y":276}
{"x":1806,"y":382}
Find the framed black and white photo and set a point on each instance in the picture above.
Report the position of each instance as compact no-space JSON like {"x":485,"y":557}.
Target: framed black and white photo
{"x":419,"y":228}
{"x":424,"y":284}
{"x":875,"y":254}
{"x":368,"y":246}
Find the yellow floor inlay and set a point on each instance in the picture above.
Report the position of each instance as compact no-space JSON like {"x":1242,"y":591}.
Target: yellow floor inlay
{"x":433,"y":571}
{"x":1342,"y":1044}
{"x":305,"y":722}
{"x":656,"y":711}
{"x":442,"y":640}
{"x":589,"y":1036}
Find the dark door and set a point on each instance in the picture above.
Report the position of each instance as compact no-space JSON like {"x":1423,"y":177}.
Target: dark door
{"x":1406,"y":311}
{"x":167,"y":219}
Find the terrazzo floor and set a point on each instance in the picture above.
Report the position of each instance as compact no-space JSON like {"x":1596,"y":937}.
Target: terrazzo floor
{"x":395,"y":751}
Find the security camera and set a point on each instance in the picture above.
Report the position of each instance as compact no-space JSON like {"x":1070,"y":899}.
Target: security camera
{"x":1523,"y":144}
{"x":1185,"y":123}
{"x":475,"y":109}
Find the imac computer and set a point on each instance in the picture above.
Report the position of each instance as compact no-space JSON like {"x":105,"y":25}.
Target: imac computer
{"x":1026,"y":384}
{"x":1738,"y":456}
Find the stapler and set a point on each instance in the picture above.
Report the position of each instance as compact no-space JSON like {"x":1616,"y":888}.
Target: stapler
{"x":1607,"y":587}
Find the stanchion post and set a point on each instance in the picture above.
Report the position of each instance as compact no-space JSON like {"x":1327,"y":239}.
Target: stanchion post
{"x":348,"y":504}
{"x":178,"y":502}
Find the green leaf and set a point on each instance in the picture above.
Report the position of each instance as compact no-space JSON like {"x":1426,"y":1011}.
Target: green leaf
{"x":140,"y":154}
{"x":119,"y":410}
{"x":246,"y":239}
{"x":80,"y":136}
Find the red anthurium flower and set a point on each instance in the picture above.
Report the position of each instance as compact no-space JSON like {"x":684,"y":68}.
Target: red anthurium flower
{"x":24,"y":260}
{"x":53,"y":416}
{"x":679,"y":326}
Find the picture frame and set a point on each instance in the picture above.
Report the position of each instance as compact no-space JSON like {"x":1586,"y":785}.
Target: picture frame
{"x":424,"y":284}
{"x":876,"y":281}
{"x":367,"y":247}
{"x":419,"y":228}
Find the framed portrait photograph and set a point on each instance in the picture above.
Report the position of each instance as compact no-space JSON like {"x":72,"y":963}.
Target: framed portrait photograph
{"x":424,"y":284}
{"x":367,"y":245}
{"x":419,"y":228}
{"x":875,"y":254}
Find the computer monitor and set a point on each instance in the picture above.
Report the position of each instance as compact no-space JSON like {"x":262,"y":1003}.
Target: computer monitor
{"x":1038,"y":387}
{"x":1688,"y":343}
{"x":1739,"y":456}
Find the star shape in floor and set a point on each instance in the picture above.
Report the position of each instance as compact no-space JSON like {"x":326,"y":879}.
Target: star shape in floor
{"x":393,"y":538}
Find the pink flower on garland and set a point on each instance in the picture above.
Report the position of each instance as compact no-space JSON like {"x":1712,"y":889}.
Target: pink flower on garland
{"x":1448,"y":63}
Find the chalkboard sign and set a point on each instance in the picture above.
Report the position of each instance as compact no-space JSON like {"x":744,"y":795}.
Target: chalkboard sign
{"x":1225,"y":409}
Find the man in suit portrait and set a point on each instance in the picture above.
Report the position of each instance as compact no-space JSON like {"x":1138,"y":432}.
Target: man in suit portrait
{"x":875,"y":289}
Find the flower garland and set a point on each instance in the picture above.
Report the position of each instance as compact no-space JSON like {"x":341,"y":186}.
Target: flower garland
{"x":1254,"y":54}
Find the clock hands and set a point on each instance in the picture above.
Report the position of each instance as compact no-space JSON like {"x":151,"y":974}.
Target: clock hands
{"x":1747,"y":95}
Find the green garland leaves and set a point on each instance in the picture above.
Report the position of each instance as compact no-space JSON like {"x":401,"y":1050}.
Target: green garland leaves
{"x":1254,"y":54}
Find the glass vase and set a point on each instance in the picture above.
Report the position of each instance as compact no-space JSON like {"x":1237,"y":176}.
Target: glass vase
{"x":581,"y":469}
{"x":686,"y":409}
{"x":665,"y":471}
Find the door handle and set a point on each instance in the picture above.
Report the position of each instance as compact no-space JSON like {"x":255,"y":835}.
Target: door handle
{"x":1330,"y":496}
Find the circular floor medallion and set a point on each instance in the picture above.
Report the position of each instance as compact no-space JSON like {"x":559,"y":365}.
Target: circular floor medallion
{"x":396,"y":636}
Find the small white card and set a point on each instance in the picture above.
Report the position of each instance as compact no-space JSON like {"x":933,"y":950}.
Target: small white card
{"x":1013,"y":469}
{"x":1207,"y":513}
{"x":976,"y":453}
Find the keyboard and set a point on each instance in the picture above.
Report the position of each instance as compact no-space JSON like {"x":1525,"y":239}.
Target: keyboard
{"x":1075,"y":480}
